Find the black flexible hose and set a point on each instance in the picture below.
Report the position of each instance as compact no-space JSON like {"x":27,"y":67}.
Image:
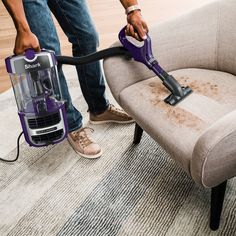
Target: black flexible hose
{"x":115,"y":51}
{"x":18,"y":150}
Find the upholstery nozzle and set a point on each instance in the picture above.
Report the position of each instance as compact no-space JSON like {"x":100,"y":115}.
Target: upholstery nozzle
{"x":178,"y":93}
{"x":173,"y":99}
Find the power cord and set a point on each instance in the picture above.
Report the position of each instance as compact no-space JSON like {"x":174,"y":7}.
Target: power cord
{"x":18,"y":150}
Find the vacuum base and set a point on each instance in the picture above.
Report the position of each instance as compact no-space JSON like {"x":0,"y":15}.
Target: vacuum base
{"x":45,"y":129}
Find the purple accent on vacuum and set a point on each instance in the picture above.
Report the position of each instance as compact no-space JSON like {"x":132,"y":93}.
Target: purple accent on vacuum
{"x":141,"y":53}
{"x":30,"y":54}
{"x":8,"y":65}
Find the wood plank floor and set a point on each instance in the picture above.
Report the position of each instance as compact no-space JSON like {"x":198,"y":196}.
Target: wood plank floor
{"x":108,"y":16}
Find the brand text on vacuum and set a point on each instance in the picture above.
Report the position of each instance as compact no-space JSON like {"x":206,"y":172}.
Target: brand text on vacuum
{"x":28,"y":66}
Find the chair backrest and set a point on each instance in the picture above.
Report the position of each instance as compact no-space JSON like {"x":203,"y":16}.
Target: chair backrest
{"x":205,"y":36}
{"x":226,"y":50}
{"x":188,"y":40}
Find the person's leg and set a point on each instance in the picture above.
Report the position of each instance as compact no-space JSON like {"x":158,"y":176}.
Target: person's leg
{"x":41,"y":24}
{"x":74,"y":18}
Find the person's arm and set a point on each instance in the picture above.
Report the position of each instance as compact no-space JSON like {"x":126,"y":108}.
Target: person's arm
{"x":25,"y":38}
{"x":136,"y":26}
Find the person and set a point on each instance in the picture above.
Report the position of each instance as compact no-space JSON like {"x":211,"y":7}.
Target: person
{"x":35,"y":29}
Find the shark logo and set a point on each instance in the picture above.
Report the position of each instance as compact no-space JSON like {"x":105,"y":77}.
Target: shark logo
{"x":28,"y":66}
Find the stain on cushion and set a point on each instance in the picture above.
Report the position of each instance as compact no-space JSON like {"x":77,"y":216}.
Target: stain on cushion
{"x":175,"y":114}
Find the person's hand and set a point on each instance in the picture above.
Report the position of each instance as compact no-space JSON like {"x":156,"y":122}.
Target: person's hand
{"x":25,"y":40}
{"x":136,"y":26}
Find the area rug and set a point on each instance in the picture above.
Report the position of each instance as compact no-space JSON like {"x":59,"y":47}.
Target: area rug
{"x":131,"y":190}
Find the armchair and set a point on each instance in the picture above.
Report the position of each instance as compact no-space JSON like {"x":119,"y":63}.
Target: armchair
{"x":199,"y":50}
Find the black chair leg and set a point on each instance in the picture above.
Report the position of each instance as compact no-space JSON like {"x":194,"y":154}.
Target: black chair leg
{"x":137,"y":134}
{"x":217,"y":199}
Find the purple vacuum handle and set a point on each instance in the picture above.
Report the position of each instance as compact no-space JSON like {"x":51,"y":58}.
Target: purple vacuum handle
{"x":141,"y":54}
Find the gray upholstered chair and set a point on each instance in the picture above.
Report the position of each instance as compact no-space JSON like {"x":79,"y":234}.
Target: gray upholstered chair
{"x":199,"y":49}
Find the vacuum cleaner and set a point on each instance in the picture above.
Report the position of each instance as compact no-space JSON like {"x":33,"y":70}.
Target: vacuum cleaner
{"x":37,"y":91}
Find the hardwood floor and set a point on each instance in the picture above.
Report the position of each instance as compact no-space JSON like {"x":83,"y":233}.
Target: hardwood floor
{"x":108,"y":16}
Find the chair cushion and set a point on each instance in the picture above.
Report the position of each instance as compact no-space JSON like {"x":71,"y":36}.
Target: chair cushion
{"x":177,"y":128}
{"x":214,"y":155}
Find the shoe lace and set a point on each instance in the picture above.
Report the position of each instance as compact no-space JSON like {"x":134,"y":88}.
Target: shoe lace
{"x":82,"y":136}
{"x":117,"y":110}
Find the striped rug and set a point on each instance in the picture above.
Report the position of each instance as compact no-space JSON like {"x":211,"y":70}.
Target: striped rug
{"x":131,"y":190}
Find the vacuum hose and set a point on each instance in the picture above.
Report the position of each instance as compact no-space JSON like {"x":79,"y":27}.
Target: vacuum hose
{"x":115,"y":51}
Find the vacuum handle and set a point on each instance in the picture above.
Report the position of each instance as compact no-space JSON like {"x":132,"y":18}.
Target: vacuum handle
{"x":142,"y":52}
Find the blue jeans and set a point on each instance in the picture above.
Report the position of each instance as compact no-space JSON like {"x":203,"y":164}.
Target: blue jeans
{"x":74,"y":19}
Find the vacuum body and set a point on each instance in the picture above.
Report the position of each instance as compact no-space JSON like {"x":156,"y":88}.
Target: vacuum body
{"x":35,"y":82}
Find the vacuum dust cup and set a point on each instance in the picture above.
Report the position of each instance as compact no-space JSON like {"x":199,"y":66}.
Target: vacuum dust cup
{"x":37,"y":92}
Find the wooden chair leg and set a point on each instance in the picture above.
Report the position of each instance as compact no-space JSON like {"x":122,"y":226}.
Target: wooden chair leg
{"x":217,"y":199}
{"x":137,"y":134}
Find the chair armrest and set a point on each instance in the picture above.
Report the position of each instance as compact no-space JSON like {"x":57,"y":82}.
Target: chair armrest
{"x":188,"y":41}
{"x":214,"y":155}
